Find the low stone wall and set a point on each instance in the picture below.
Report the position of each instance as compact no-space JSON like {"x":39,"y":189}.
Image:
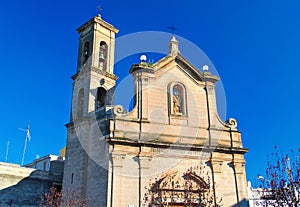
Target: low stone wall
{"x":23,"y":187}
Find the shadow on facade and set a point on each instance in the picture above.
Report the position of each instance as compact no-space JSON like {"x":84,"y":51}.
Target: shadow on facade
{"x":243,"y":203}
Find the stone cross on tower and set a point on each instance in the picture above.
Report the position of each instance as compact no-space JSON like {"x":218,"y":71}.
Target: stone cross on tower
{"x":172,"y":28}
{"x":99,"y":8}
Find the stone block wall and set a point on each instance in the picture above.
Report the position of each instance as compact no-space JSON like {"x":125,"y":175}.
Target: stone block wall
{"x":24,"y":187}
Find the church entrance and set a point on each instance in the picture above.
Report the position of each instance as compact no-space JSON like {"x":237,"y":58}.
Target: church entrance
{"x":178,"y":190}
{"x":182,"y":205}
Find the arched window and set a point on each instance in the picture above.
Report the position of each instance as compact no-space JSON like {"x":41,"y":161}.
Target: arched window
{"x":80,"y":103}
{"x":178,"y":99}
{"x":103,"y":56}
{"x":86,"y":49}
{"x":101,"y":95}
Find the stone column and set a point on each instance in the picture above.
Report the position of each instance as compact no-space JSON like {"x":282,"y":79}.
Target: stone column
{"x":117,"y":165}
{"x":142,"y":73}
{"x":145,"y":163}
{"x":143,"y":79}
{"x":209,"y":81}
{"x":241,"y":182}
{"x":216,"y":165}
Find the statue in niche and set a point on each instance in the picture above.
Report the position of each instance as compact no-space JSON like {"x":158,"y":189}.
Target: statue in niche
{"x":177,"y":103}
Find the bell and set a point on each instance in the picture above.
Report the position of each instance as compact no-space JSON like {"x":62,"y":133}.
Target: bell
{"x":101,"y":57}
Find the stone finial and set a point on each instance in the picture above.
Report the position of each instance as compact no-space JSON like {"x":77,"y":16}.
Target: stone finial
{"x":232,"y":123}
{"x":173,"y":46}
{"x":118,"y":110}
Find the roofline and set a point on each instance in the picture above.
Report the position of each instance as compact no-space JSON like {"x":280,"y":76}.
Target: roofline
{"x":97,"y":19}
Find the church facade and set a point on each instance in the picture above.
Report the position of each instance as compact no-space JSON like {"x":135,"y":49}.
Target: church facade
{"x":171,"y":149}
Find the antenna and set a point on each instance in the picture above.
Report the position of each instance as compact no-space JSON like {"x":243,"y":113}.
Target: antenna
{"x":28,"y":137}
{"x":7,"y":147}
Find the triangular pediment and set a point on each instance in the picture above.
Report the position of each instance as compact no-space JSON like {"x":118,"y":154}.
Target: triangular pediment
{"x":182,"y":63}
{"x":171,"y":61}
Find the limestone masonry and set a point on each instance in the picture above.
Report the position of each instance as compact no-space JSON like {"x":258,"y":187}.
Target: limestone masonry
{"x":24,"y":186}
{"x":171,"y":149}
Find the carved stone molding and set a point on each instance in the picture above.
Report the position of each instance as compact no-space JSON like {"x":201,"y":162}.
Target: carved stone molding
{"x":117,"y":160}
{"x":145,"y":162}
{"x":238,"y":167}
{"x":177,"y":188}
{"x":118,"y":110}
{"x":217,"y":165}
{"x":231,"y":123}
{"x":101,"y":72}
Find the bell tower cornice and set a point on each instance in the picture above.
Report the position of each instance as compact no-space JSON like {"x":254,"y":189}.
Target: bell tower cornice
{"x":96,"y":70}
{"x":99,"y":20}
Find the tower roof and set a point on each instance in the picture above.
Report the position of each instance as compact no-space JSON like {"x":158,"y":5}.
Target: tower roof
{"x":98,"y":19}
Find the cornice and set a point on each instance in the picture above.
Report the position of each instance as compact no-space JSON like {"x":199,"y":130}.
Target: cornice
{"x":138,"y":143}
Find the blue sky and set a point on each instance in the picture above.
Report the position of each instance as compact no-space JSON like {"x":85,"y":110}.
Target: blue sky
{"x":254,"y":45}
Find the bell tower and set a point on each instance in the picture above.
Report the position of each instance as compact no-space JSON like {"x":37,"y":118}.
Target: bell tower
{"x":93,"y":87}
{"x":94,"y":79}
{"x":96,"y":45}
{"x":168,"y":150}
